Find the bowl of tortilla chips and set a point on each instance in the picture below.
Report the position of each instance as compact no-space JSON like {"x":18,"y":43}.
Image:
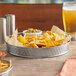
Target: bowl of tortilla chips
{"x":49,"y":44}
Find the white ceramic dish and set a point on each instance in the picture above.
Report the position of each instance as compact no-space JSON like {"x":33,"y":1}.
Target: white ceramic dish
{"x":32,"y":34}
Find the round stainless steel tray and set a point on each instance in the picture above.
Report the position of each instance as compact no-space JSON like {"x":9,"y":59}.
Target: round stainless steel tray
{"x":38,"y":52}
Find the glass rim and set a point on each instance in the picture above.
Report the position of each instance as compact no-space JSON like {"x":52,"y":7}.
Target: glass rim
{"x":69,"y":5}
{"x":69,"y":2}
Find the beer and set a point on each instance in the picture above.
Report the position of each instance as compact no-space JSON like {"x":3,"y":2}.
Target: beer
{"x":69,"y":18}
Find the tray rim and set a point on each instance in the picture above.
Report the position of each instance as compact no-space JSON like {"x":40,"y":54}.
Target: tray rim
{"x":38,"y":48}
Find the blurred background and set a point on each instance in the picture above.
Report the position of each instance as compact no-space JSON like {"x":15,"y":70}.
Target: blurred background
{"x":34,"y":1}
{"x":40,"y":14}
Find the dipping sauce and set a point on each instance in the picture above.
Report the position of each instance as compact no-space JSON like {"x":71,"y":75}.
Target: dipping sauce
{"x":31,"y":30}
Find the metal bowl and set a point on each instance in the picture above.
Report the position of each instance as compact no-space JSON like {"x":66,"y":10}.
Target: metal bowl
{"x":38,"y":52}
{"x":6,"y":72}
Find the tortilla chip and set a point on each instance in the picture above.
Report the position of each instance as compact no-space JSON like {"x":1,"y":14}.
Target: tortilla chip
{"x":26,"y":45}
{"x":15,"y":34}
{"x":59,"y":37}
{"x":50,"y":43}
{"x":13,"y":39}
{"x":24,"y":36}
{"x":57,"y":30}
{"x":68,"y":38}
{"x":19,"y":44}
{"x":21,"y":39}
{"x":58,"y":42}
{"x":40,"y":43}
{"x":33,"y":45}
{"x":46,"y":35}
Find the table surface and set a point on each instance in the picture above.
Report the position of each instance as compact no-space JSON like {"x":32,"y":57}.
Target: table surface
{"x":40,"y":67}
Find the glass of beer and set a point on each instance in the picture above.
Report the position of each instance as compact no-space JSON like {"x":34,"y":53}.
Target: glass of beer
{"x":69,"y":18}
